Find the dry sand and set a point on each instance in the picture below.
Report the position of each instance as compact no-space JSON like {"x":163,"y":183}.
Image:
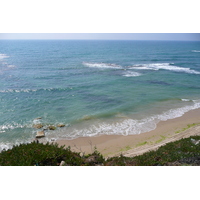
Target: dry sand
{"x":115,"y":145}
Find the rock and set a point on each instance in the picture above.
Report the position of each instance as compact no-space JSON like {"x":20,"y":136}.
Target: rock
{"x":52,"y":128}
{"x":91,"y":159}
{"x":38,"y":118}
{"x":60,"y":125}
{"x":175,"y":163}
{"x":38,"y":126}
{"x":40,"y":134}
{"x":194,"y":161}
{"x":81,"y":154}
{"x":195,"y":142}
{"x":62,"y":163}
{"x":87,"y":117}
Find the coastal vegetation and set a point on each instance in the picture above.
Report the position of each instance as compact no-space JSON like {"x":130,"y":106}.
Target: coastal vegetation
{"x":183,"y":152}
{"x":188,"y":126}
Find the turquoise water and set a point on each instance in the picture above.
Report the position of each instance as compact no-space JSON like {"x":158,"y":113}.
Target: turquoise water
{"x":94,"y":87}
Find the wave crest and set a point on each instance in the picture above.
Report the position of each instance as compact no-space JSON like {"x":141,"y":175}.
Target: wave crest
{"x":196,"y":51}
{"x":2,"y":56}
{"x":132,"y":74}
{"x":102,"y":65}
{"x":165,"y":66}
{"x":130,"y":126}
{"x":33,"y":90}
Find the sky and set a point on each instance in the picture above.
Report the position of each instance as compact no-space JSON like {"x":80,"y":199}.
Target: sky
{"x":103,"y":36}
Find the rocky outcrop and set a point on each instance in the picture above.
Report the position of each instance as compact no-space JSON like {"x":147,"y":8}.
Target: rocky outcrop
{"x":63,"y":163}
{"x":60,"y":125}
{"x":51,"y":127}
{"x":38,"y":126}
{"x":91,"y":159}
{"x":40,"y":134}
{"x":195,"y":142}
{"x":191,"y":161}
{"x":38,"y":118}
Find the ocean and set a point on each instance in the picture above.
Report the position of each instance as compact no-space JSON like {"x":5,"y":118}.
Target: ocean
{"x":94,"y":87}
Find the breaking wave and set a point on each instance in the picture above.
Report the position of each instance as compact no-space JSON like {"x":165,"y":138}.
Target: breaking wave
{"x":186,"y":100}
{"x":33,"y":90}
{"x":4,"y":66}
{"x":165,"y":66}
{"x":11,"y":126}
{"x":132,"y":74}
{"x":5,"y":146}
{"x":130,"y":126}
{"x":102,"y":65}
{"x":196,"y":51}
{"x":9,"y":145}
{"x":17,"y":90}
{"x":2,"y":56}
{"x":152,"y":66}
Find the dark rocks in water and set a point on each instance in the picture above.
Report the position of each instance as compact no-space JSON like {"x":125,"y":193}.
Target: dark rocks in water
{"x":60,"y":125}
{"x":38,"y":126}
{"x":40,"y":134}
{"x":52,"y":128}
{"x":38,"y":118}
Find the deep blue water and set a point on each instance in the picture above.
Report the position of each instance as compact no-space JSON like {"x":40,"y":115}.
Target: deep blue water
{"x":94,"y":87}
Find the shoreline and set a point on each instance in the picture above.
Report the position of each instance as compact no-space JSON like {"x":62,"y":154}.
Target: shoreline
{"x":131,"y":145}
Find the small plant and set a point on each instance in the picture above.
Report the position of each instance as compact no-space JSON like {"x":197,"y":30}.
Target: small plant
{"x":126,"y":148}
{"x":188,"y":126}
{"x":38,"y":154}
{"x":160,"y":140}
{"x":141,"y":144}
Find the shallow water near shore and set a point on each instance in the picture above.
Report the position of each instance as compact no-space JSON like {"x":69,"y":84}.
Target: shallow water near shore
{"x":94,"y":87}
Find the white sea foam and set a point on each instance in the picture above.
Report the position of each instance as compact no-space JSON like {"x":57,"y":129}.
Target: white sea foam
{"x":165,"y":66}
{"x":196,"y":51}
{"x":2,"y":56}
{"x":153,"y":66}
{"x":9,"y":145}
{"x":11,"y":66}
{"x":5,"y":146}
{"x":132,"y":126}
{"x":132,"y":74}
{"x":17,"y":91}
{"x":186,"y":100}
{"x":11,"y":126}
{"x":4,"y":65}
{"x":32,"y":90}
{"x":123,"y":127}
{"x":102,"y":65}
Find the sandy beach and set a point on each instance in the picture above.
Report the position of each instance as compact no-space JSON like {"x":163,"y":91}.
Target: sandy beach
{"x":115,"y":145}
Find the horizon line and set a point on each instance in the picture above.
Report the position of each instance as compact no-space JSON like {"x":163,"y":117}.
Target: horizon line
{"x":104,"y":39}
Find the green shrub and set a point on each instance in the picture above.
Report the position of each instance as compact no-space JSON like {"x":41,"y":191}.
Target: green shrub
{"x":38,"y":154}
{"x":51,"y":155}
{"x":170,"y":152}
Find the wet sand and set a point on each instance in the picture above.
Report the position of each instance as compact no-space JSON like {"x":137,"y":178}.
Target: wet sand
{"x":114,"y":145}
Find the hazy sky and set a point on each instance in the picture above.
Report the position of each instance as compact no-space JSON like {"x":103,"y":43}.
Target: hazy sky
{"x":104,"y":36}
